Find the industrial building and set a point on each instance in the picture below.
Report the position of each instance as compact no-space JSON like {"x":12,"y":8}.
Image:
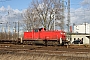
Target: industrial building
{"x":82,"y":28}
{"x":81,"y":33}
{"x":85,"y":38}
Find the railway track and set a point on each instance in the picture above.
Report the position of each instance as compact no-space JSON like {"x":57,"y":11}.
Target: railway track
{"x":34,"y":51}
{"x":42,"y":48}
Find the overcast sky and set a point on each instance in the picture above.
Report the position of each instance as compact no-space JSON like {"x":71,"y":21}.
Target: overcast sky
{"x":80,"y":10}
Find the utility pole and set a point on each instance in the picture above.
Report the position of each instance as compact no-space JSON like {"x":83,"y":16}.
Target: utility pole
{"x":8,"y":30}
{"x":18,"y":29}
{"x":62,"y":27}
{"x":85,"y":27}
{"x":68,"y":17}
{"x":15,"y":31}
{"x":54,"y":20}
{"x":0,"y":32}
{"x":85,"y":21}
{"x":68,"y":21}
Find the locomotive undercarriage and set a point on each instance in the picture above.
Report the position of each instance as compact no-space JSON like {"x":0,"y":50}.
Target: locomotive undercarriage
{"x":36,"y":42}
{"x":42,"y":42}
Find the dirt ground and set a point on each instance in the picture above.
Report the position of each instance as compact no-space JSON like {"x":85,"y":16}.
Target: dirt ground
{"x":38,"y":56}
{"x":26,"y":52}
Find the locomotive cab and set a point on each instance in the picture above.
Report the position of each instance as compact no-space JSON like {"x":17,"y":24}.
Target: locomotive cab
{"x":39,"y":29}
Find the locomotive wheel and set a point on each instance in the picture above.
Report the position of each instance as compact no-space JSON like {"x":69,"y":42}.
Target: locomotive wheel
{"x":46,"y":43}
{"x":55,"y":43}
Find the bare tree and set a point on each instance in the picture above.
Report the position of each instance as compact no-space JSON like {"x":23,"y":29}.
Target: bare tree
{"x":41,"y":14}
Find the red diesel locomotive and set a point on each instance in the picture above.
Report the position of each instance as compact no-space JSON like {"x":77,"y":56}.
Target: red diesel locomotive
{"x":40,"y":35}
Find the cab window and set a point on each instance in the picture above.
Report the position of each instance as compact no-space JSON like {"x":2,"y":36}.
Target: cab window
{"x":36,"y":30}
